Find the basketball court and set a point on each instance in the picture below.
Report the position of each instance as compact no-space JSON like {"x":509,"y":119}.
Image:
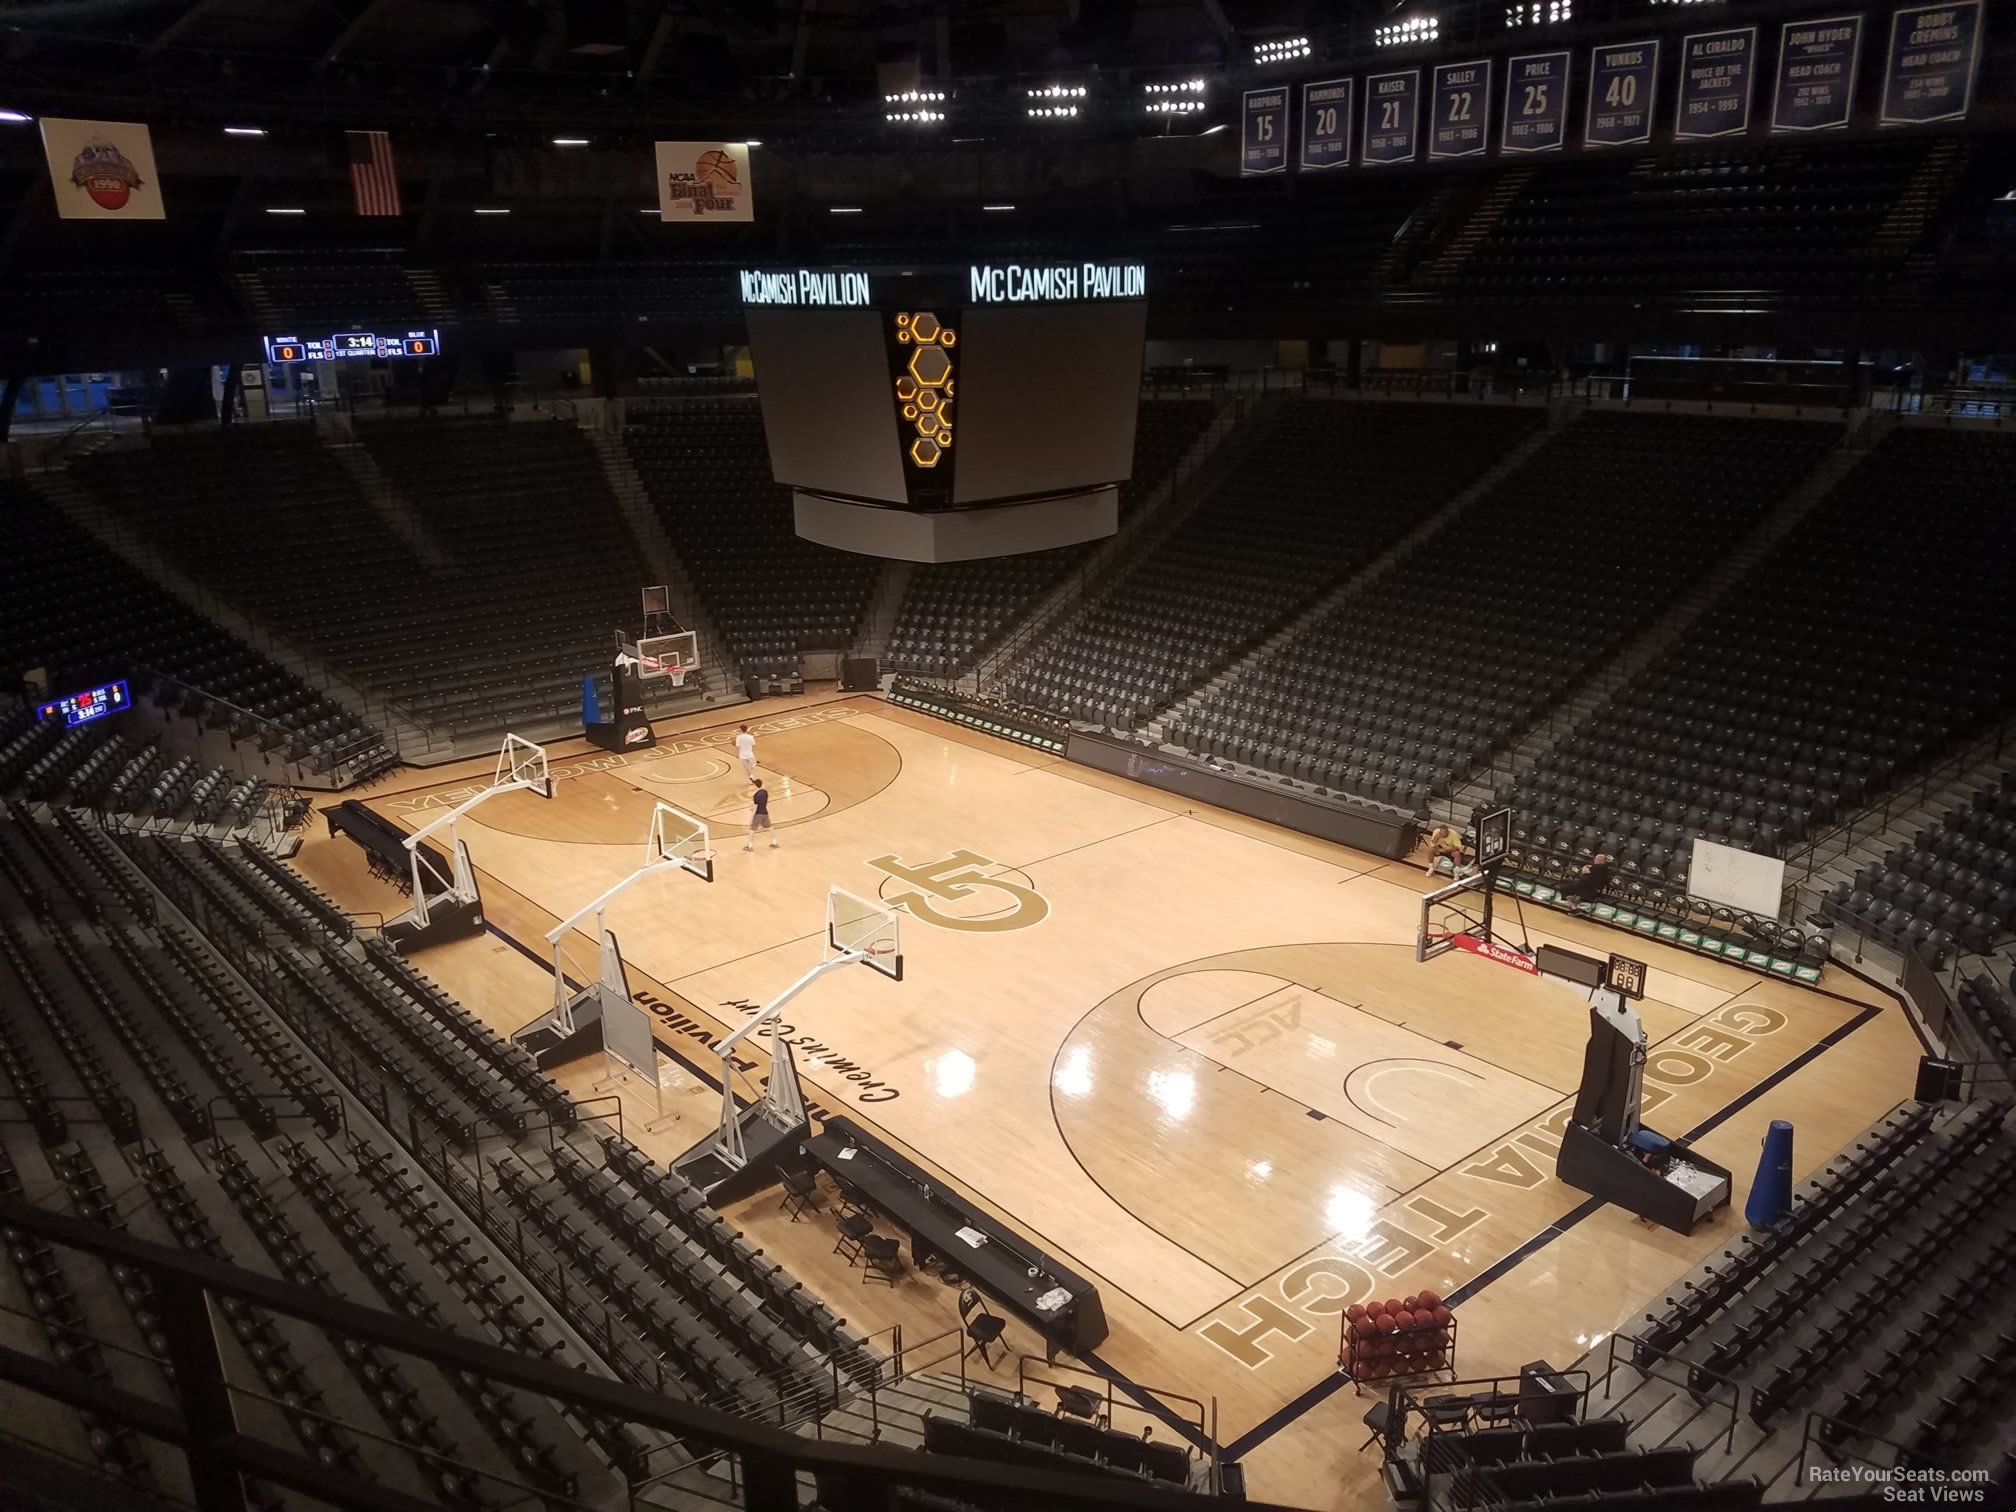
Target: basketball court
{"x":1192,"y":1055}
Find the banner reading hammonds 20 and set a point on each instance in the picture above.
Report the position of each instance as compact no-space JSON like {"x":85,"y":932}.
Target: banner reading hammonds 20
{"x":102,"y":170}
{"x":705,"y":181}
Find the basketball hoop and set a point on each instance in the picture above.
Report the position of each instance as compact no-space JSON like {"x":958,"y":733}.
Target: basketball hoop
{"x":676,"y":672}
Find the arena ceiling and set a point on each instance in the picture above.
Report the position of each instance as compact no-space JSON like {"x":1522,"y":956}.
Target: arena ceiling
{"x":672,"y":53}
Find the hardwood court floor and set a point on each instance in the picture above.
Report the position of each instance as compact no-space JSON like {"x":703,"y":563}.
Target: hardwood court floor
{"x":1190,"y":1053}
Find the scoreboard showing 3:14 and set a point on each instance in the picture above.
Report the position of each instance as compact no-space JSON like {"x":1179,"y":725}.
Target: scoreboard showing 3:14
{"x":282,"y":350}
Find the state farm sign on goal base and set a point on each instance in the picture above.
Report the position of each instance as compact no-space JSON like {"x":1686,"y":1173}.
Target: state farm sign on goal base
{"x":1504,"y":955}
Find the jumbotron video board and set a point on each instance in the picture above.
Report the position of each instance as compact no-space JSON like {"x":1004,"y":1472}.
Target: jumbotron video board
{"x":949,"y":388}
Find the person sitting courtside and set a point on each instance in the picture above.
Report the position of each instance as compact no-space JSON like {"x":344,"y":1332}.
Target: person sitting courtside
{"x":1446,"y":840}
{"x":1589,"y":883}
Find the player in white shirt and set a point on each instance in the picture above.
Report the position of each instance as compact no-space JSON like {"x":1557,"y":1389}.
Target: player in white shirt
{"x":745,"y":751}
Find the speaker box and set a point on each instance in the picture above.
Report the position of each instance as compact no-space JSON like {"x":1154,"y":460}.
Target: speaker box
{"x":1544,"y":1395}
{"x":1938,"y":1081}
{"x":860,"y":674}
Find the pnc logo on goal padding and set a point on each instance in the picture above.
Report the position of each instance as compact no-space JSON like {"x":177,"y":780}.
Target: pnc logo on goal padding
{"x":954,"y":879}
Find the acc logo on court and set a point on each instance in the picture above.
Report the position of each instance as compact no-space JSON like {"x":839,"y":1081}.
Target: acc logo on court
{"x":954,"y":879}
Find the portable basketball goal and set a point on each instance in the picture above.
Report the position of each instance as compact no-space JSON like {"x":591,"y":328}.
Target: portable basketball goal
{"x":858,"y":933}
{"x":521,"y":767}
{"x":678,"y":841}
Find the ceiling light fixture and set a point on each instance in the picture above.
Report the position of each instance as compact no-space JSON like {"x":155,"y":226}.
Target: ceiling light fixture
{"x":491,"y":210}
{"x":1281,"y":50}
{"x":570,"y":141}
{"x":244,"y":131}
{"x":15,"y":118}
{"x":843,"y":209}
{"x":285,"y":210}
{"x":997,"y":209}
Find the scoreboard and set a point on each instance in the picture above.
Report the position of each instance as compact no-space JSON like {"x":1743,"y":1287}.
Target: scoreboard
{"x":92,"y":703}
{"x":283,"y":350}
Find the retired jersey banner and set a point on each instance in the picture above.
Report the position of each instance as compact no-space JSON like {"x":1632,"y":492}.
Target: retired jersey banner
{"x":1623,"y":81}
{"x":102,"y":170}
{"x":1459,"y":98}
{"x":1392,"y":118}
{"x":1934,"y":50}
{"x":1816,"y":74}
{"x":705,"y":181}
{"x":1326,"y":124}
{"x":1536,"y":103}
{"x":1263,"y":131}
{"x":1717,"y":70}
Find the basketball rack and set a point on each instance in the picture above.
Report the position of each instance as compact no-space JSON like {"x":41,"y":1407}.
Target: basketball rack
{"x":678,"y":841}
{"x":521,"y":767}
{"x":858,"y":933}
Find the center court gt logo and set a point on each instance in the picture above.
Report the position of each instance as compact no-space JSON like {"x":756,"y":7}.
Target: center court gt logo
{"x":955,"y":878}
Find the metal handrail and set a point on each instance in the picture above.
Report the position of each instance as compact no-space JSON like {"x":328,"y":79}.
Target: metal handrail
{"x":1642,"y":1346}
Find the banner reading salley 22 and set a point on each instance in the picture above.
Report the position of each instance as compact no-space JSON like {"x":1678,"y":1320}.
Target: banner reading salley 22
{"x":102,"y":170}
{"x":705,"y":181}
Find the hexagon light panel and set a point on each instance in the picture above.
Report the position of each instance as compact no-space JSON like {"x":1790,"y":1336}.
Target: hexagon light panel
{"x":924,"y":391}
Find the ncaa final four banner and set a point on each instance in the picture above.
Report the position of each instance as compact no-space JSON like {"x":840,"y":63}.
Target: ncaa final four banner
{"x":1934,"y":51}
{"x":705,"y":181}
{"x":1816,"y":74}
{"x":1536,"y":103}
{"x":1716,"y":74}
{"x":102,"y":170}
{"x":1263,"y":132}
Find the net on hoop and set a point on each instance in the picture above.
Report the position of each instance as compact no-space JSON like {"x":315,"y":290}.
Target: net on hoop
{"x":872,"y":930}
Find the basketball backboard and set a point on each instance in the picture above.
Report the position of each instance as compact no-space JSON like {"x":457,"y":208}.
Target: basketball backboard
{"x":522,"y":761}
{"x":682,"y":837}
{"x":672,"y":656}
{"x":874,"y":931}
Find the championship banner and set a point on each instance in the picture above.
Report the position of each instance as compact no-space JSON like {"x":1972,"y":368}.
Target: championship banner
{"x":1392,"y":117}
{"x":1459,"y":104}
{"x":1536,"y":103}
{"x":1263,"y":132}
{"x":1623,"y":82}
{"x":1326,"y":124}
{"x":705,"y":181}
{"x":1717,"y":70}
{"x":1817,"y":63}
{"x":102,"y":170}
{"x":1934,"y":51}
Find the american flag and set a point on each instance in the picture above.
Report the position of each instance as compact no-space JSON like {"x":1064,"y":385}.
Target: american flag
{"x":374,"y":178}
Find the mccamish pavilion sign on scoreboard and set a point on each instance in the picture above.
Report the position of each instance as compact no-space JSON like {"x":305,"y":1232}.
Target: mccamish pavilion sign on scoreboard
{"x":1015,"y":284}
{"x":1011,"y":283}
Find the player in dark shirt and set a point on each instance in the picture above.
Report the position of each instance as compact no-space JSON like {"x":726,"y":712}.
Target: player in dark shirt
{"x":759,"y":817}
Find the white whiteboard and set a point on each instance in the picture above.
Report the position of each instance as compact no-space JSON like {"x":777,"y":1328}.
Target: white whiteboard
{"x":1746,"y":881}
